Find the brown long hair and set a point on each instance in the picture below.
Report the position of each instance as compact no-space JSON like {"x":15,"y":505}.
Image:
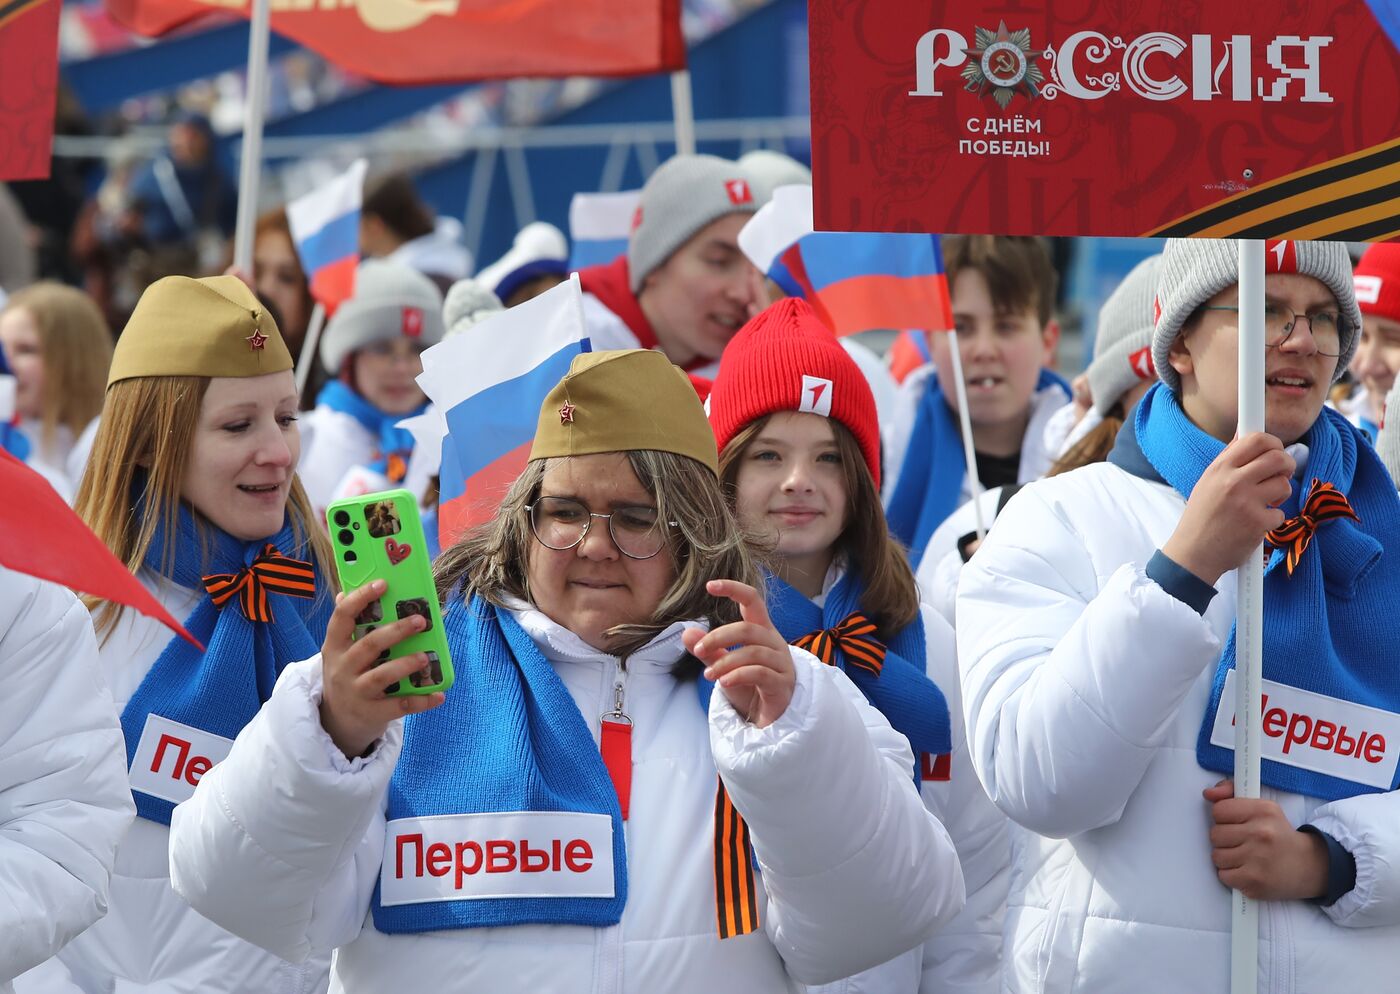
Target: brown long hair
{"x":148,"y":424}
{"x":1096,"y":444}
{"x":77,"y":346}
{"x":891,"y":595}
{"x":707,"y":544}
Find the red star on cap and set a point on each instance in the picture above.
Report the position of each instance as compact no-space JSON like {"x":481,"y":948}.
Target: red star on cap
{"x":566,"y":414}
{"x":256,"y":340}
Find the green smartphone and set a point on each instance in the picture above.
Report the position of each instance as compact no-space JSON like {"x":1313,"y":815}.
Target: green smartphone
{"x":379,"y":536}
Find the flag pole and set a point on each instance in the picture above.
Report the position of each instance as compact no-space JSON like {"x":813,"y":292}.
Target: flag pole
{"x":1249,"y":611}
{"x":250,"y":164}
{"x":965,"y":420}
{"x":683,"y":111}
{"x":309,"y":346}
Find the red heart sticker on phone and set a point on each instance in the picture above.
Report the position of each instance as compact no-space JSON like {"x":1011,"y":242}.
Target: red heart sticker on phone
{"x":397,"y":553}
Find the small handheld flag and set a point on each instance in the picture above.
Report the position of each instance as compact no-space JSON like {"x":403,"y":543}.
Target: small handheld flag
{"x":599,"y":224}
{"x":489,"y":382}
{"x":325,"y":227}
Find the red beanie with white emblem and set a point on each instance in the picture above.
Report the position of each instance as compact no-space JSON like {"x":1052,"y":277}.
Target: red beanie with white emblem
{"x":786,"y":359}
{"x":1378,"y":281}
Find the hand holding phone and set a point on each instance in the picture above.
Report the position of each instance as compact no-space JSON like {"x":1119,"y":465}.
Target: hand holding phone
{"x":379,"y":536}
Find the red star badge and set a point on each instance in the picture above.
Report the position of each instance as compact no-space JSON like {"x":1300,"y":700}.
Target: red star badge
{"x":256,"y":340}
{"x":566,"y":414}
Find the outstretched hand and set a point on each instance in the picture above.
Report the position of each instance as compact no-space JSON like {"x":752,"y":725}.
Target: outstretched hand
{"x":748,"y":659}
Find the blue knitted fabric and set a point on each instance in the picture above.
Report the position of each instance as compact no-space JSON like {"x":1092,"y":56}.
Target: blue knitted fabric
{"x":221,"y":689}
{"x":508,"y":738}
{"x":931,"y":478}
{"x":1330,"y":627}
{"x":12,"y":440}
{"x":388,"y":440}
{"x":902,"y":692}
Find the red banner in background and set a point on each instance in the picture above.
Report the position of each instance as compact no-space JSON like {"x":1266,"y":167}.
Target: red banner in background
{"x":1254,"y":118}
{"x":28,"y":84}
{"x":445,"y":41}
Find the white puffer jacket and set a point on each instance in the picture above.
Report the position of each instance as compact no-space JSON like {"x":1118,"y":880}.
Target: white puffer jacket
{"x":64,"y":802}
{"x":150,"y":939}
{"x":1085,"y":684}
{"x":283,"y":842}
{"x":332,"y":444}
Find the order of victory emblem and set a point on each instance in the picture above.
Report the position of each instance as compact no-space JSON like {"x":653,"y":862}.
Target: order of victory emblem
{"x":1001,"y":62}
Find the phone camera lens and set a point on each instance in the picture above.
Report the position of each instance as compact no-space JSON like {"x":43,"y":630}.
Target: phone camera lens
{"x":350,"y":556}
{"x":342,"y":518}
{"x":346,"y":536}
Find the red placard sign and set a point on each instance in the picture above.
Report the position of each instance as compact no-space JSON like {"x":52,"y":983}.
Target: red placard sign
{"x":1252,"y":118}
{"x":28,"y":84}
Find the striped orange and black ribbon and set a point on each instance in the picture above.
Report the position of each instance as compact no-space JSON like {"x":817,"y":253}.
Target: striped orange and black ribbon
{"x":1324,"y":503}
{"x":270,"y":573}
{"x":736,"y":895}
{"x":855,"y":636}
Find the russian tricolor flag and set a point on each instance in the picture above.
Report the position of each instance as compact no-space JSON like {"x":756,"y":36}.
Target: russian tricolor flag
{"x":856,"y":281}
{"x":325,"y":226}
{"x":599,"y":226}
{"x":489,"y":383}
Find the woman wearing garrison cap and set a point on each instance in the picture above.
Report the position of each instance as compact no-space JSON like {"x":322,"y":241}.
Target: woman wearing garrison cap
{"x":569,"y":779}
{"x":1096,"y":640}
{"x":800,"y":459}
{"x":194,"y":487}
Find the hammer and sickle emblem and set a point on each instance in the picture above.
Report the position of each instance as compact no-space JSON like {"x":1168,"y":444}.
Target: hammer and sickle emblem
{"x":1004,"y":64}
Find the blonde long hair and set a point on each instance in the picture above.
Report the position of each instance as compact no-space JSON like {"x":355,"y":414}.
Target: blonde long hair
{"x":707,"y":544}
{"x":148,"y":423}
{"x":77,"y":347}
{"x":891,"y":595}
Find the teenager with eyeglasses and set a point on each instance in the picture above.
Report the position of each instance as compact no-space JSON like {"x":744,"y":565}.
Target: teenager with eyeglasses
{"x":603,"y":809}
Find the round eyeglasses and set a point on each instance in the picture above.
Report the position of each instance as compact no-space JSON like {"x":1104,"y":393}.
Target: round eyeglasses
{"x":561,"y":523}
{"x":1329,"y":328}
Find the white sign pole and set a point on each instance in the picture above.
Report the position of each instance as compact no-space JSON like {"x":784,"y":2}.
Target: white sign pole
{"x":250,"y":160}
{"x":965,"y":419}
{"x":683,"y":111}
{"x":1249,"y":611}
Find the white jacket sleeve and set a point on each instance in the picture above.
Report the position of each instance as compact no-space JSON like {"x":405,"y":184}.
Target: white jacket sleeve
{"x":282,"y":841}
{"x":1068,"y":688}
{"x":964,"y":957}
{"x":65,"y":802}
{"x":855,"y":868}
{"x":1367,"y":826}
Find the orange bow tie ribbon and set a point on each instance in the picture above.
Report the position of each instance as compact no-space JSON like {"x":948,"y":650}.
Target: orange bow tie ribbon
{"x":1324,"y":503}
{"x":270,"y":573}
{"x":855,"y":636}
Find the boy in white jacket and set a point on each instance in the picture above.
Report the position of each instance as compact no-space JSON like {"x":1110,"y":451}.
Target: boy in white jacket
{"x":1095,"y":633}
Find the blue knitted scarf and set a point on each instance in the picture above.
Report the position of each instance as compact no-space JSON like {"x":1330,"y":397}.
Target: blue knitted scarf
{"x":389,"y":440}
{"x":508,"y":738}
{"x":221,"y":689}
{"x":902,"y":691}
{"x":931,"y":479}
{"x":12,"y":440}
{"x":1329,"y":627}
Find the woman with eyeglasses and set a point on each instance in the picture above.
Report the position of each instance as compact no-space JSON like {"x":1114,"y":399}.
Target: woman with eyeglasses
{"x":799,"y":439}
{"x":635,"y":784}
{"x":1097,"y":645}
{"x":372,"y":348}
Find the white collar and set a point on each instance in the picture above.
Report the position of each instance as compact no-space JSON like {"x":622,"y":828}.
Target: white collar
{"x":559,"y":645}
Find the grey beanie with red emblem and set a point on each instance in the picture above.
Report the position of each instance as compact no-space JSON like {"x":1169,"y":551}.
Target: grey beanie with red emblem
{"x":391,"y":300}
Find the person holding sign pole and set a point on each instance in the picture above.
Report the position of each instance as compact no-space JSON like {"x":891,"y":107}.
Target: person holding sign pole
{"x":613,"y":654}
{"x":1096,"y":636}
{"x":800,"y":455}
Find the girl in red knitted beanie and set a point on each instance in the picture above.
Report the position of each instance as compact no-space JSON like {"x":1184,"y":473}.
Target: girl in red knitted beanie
{"x":799,"y":443}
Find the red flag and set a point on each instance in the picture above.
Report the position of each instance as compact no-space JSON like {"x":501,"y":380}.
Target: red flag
{"x":447,"y":41}
{"x":41,"y":536}
{"x":28,"y":85}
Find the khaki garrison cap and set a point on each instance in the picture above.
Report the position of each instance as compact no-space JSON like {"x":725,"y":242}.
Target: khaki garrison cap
{"x":206,"y":327}
{"x":624,"y":400}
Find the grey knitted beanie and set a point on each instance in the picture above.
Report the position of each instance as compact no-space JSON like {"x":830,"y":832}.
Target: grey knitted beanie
{"x":1196,"y":269}
{"x":1123,"y":342}
{"x":468,"y":303}
{"x":686,"y":193}
{"x":770,"y":170}
{"x":390,"y":300}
